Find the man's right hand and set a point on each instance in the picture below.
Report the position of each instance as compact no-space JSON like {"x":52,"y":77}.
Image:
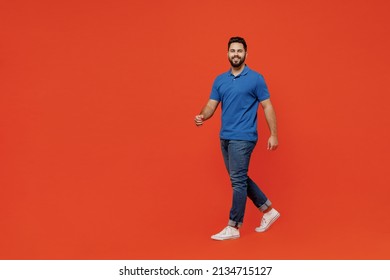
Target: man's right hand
{"x":199,"y":120}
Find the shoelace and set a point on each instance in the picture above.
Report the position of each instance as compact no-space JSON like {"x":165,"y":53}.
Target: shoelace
{"x":224,"y":230}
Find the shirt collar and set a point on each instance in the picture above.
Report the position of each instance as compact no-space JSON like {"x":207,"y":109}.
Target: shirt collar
{"x":243,"y":73}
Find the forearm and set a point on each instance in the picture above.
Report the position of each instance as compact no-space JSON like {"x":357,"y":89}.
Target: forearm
{"x":270,"y":117}
{"x":207,"y":112}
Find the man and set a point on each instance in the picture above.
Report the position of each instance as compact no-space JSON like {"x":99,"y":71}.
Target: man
{"x":240,"y":91}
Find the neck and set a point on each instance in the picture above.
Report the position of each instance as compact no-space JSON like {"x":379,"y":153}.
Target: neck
{"x":237,"y":70}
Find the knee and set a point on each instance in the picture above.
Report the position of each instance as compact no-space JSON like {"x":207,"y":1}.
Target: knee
{"x":239,"y":181}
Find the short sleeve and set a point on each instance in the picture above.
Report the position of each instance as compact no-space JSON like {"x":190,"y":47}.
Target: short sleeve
{"x":262,"y":89}
{"x":214,"y":91}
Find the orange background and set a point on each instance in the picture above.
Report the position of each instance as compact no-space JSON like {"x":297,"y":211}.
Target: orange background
{"x":100,"y":158}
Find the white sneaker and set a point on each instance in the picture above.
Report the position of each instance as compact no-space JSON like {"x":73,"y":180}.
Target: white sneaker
{"x":227,"y":233}
{"x":267,"y":220}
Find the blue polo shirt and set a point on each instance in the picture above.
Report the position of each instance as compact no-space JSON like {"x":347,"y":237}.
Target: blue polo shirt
{"x":240,"y":97}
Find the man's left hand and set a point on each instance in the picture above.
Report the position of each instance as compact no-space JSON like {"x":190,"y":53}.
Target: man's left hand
{"x":272,"y":143}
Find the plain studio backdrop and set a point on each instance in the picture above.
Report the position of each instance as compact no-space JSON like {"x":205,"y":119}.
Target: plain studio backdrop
{"x":100,"y":157}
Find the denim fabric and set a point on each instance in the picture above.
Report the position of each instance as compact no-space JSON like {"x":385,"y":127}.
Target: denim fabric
{"x":236,"y":155}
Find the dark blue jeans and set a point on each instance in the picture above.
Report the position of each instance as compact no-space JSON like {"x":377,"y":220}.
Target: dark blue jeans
{"x":236,"y":155}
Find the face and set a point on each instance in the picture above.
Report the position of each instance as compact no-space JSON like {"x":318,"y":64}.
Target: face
{"x":236,"y":54}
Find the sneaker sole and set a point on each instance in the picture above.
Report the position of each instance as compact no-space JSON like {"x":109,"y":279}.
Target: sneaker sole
{"x":224,"y":238}
{"x":270,"y":224}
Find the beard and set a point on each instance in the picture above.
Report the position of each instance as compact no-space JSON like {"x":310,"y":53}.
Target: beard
{"x":237,"y":63}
